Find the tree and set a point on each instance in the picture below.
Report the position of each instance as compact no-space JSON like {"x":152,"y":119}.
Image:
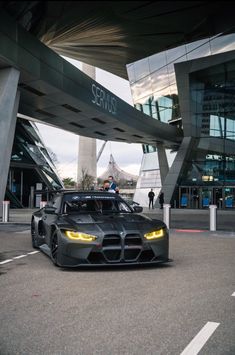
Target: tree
{"x":87,"y":181}
{"x":68,"y":182}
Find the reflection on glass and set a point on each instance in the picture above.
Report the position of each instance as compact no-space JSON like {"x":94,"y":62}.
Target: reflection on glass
{"x":198,"y":49}
{"x":157,"y":61}
{"x":147,"y":106}
{"x":209,"y":169}
{"x":150,"y":178}
{"x":223,"y":44}
{"x":165,"y":109}
{"x":213,"y":100}
{"x":149,"y":148}
{"x":131,"y":73}
{"x":142,"y":89}
{"x":162,"y":108}
{"x":159,"y":79}
{"x":175,"y":55}
{"x":141,"y":68}
{"x":217,"y":126}
{"x":171,"y":74}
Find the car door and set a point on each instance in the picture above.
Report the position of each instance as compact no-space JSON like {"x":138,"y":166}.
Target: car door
{"x":49,"y":219}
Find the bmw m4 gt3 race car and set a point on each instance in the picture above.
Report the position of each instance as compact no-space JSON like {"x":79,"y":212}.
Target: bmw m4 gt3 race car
{"x":95,"y":228}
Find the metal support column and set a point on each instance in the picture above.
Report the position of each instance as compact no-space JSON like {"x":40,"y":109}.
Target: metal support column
{"x":9,"y":102}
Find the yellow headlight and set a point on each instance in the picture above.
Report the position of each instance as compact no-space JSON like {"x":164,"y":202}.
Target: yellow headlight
{"x":80,"y":236}
{"x":155,"y":234}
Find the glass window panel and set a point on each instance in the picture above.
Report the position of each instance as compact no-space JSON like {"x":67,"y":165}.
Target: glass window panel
{"x":159,"y":79}
{"x":216,"y":126}
{"x":230,"y":129}
{"x":53,"y":181}
{"x":141,"y":68}
{"x":176,"y":54}
{"x":157,"y":61}
{"x":165,"y":109}
{"x":142,"y":89}
{"x":139,"y":107}
{"x":32,"y":130}
{"x":147,"y":109}
{"x":198,"y":49}
{"x":149,"y":148}
{"x":223,"y":44}
{"x":131,"y":73}
{"x":171,"y":74}
{"x":150,"y":178}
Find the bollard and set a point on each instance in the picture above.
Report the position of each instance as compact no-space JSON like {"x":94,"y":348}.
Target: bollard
{"x":213,"y":215}
{"x":5,"y":211}
{"x":166,"y":214}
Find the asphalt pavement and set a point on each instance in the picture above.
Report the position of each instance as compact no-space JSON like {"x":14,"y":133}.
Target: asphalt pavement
{"x":163,"y":310}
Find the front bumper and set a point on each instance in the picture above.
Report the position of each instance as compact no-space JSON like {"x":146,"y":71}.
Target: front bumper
{"x":130,"y":249}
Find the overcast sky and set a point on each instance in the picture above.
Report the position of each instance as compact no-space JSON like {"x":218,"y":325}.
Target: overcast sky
{"x":65,"y":144}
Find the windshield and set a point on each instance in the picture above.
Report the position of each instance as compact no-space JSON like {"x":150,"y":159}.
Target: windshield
{"x":81,"y":204}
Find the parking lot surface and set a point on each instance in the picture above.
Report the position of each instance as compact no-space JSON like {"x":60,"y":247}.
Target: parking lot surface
{"x":172,"y":309}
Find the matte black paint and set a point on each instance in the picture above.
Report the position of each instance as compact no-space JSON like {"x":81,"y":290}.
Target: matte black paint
{"x":120,"y":236}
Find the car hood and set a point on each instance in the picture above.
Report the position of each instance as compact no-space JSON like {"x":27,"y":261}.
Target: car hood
{"x":107,"y":223}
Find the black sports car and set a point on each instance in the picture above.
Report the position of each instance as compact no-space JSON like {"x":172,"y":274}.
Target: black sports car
{"x":95,"y":228}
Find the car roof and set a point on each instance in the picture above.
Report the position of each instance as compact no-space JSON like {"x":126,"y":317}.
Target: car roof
{"x":89,"y":192}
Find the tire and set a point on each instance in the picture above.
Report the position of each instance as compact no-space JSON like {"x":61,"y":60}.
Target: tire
{"x":54,"y":248}
{"x":33,"y":236}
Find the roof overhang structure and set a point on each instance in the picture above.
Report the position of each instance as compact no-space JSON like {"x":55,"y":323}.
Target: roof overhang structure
{"x":108,"y":35}
{"x":55,"y":92}
{"x":112,"y":34}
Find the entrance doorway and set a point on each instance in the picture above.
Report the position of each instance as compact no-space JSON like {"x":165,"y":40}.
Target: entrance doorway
{"x":201,"y":197}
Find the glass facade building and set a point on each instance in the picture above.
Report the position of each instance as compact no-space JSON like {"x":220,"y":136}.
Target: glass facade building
{"x":31,"y":168}
{"x":208,"y":172}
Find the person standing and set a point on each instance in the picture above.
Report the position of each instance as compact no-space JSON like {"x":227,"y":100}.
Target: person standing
{"x":151,"y":195}
{"x":106,"y":186}
{"x":161,"y":200}
{"x":112,"y":184}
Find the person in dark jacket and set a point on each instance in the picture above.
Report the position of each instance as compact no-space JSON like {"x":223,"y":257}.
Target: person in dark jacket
{"x":151,"y":195}
{"x":161,"y":199}
{"x":113,"y":184}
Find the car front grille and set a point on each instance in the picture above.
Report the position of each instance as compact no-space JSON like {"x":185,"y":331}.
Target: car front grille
{"x":133,"y":240}
{"x":113,"y":255}
{"x":132,"y":247}
{"x":112,"y":247}
{"x":126,"y":249}
{"x":111,"y":240}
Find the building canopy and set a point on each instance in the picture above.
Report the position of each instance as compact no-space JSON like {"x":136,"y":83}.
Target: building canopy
{"x":112,"y":34}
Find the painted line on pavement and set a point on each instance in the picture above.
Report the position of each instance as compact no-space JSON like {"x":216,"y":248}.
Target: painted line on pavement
{"x":5,"y":261}
{"x":18,"y":257}
{"x":200,"y":339}
{"x":233,"y":294}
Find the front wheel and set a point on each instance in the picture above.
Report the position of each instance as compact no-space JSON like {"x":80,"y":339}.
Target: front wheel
{"x":54,"y":247}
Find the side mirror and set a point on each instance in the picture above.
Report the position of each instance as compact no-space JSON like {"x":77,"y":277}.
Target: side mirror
{"x":138,"y":209}
{"x":49,"y":209}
